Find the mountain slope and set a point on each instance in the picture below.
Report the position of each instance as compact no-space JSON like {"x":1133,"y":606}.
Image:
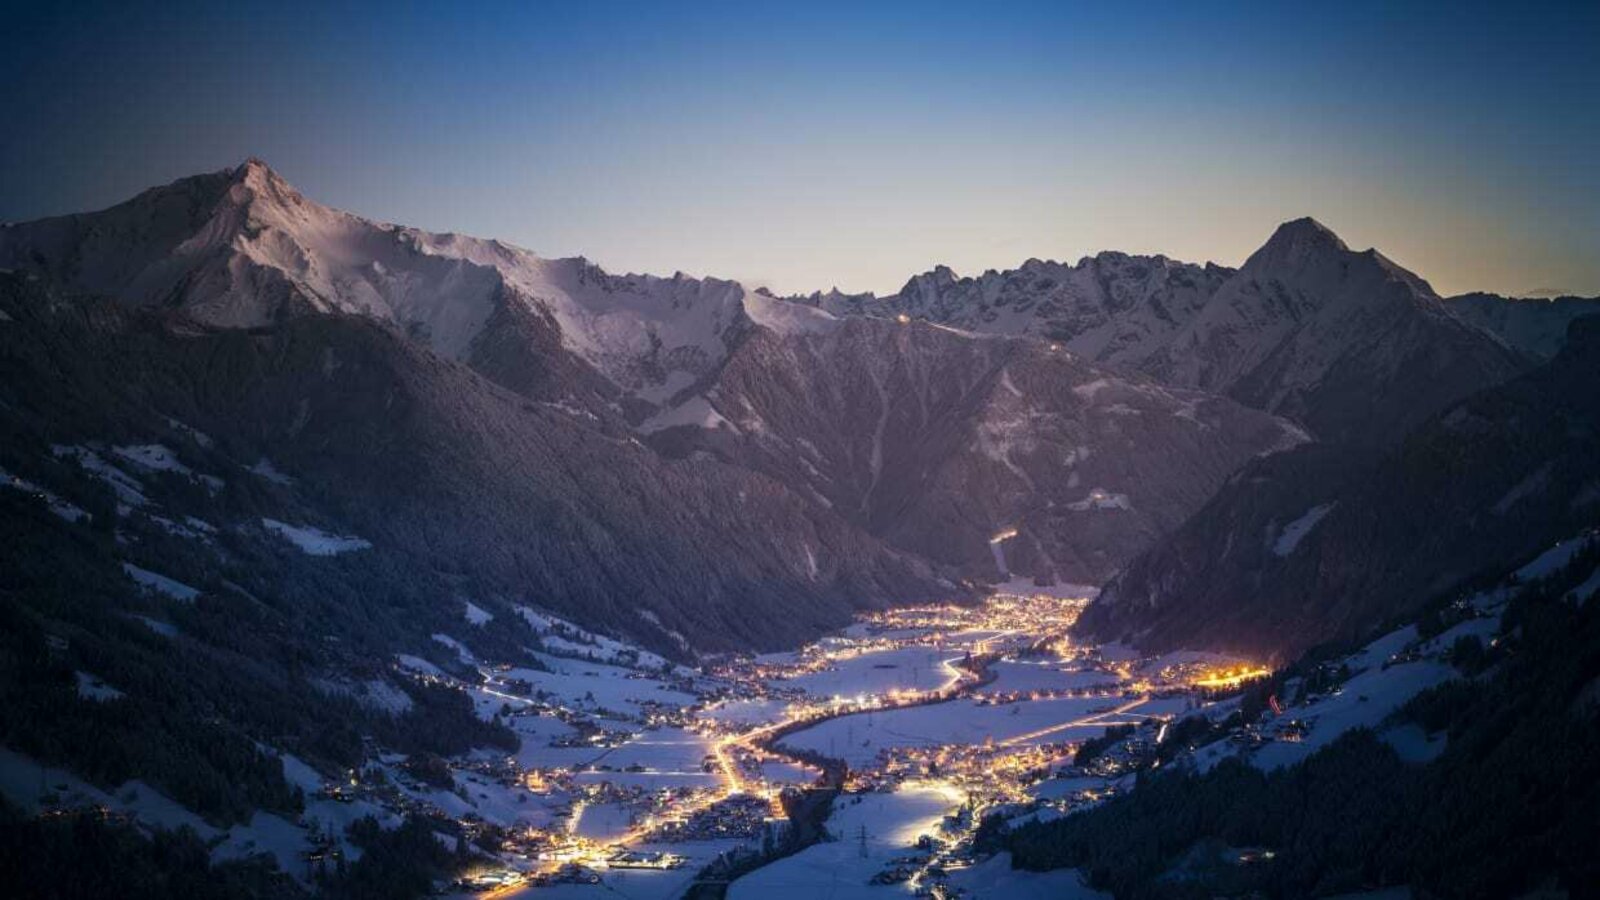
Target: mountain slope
{"x":1348,"y":344}
{"x":1536,"y":326}
{"x":243,"y":248}
{"x":998,"y":455}
{"x":1110,"y":308}
{"x":1303,"y":548}
{"x":1087,"y":467}
{"x":422,"y":457}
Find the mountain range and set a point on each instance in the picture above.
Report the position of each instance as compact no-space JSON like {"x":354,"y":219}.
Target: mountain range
{"x":744,"y":469}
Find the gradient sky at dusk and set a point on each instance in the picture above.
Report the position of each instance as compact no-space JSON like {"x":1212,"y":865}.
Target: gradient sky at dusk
{"x":807,"y":145}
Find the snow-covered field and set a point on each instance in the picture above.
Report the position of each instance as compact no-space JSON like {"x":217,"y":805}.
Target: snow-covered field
{"x":665,"y":750}
{"x":994,"y":879}
{"x":610,"y":737}
{"x":747,"y":712}
{"x":601,"y":821}
{"x":886,"y":825}
{"x":595,"y":685}
{"x":858,"y":738}
{"x":878,"y":672}
{"x":1047,"y":675}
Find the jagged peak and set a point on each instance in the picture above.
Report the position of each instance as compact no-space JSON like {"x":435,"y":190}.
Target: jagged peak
{"x":261,"y":180}
{"x":253,"y":164}
{"x":938,"y":277}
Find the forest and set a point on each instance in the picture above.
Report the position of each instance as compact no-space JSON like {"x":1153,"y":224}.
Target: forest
{"x":1507,"y":808}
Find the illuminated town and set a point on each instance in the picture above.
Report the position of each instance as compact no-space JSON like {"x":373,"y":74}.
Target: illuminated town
{"x":889,"y":743}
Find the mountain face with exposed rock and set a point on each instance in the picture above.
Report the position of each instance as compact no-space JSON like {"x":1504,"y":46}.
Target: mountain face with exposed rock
{"x":1350,"y":345}
{"x":242,"y":248}
{"x":596,"y":443}
{"x":992,"y":454}
{"x":1536,"y":326}
{"x":1111,"y":308}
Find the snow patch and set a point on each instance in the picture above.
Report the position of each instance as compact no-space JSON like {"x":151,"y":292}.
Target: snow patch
{"x":315,"y":541}
{"x":165,"y":629}
{"x":696,"y":411}
{"x":127,"y":488}
{"x":1296,"y":531}
{"x":156,"y":457}
{"x":1535,"y":483}
{"x":1588,"y":589}
{"x":419,"y":665}
{"x":462,"y":653}
{"x":1091,"y":389}
{"x":191,"y":528}
{"x":161,"y":458}
{"x":195,"y":434}
{"x":161,"y":584}
{"x":374,"y":693}
{"x":92,"y":688}
{"x":1551,"y":560}
{"x":995,"y":877}
{"x":265,"y":469}
{"x":787,"y":317}
{"x":561,"y":636}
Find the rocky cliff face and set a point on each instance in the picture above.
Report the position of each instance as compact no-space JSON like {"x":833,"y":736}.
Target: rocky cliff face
{"x":1110,"y":308}
{"x":1350,"y":345}
{"x":997,"y":455}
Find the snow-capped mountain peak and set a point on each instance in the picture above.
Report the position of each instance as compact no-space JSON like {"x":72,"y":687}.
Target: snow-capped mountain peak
{"x":1294,"y":246}
{"x":1310,"y":255}
{"x":242,"y":247}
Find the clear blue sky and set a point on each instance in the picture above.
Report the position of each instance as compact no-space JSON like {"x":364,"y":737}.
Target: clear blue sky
{"x":805,"y":145}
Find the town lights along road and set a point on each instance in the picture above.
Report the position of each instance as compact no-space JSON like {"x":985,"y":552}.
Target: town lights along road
{"x":764,"y":723}
{"x":962,"y":681}
{"x":1232,"y":678}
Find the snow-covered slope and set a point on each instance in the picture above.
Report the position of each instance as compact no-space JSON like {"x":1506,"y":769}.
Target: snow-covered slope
{"x":243,"y":248}
{"x":1534,"y":325}
{"x":941,"y":442}
{"x":933,"y":436}
{"x":1111,"y":308}
{"x":1307,"y":545}
{"x":1349,"y":344}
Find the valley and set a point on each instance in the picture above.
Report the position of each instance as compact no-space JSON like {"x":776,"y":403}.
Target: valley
{"x":493,"y":556}
{"x":863,"y":451}
{"x":649,"y":779}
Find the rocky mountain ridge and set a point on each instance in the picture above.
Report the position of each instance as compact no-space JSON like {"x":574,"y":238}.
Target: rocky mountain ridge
{"x":1056,"y":421}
